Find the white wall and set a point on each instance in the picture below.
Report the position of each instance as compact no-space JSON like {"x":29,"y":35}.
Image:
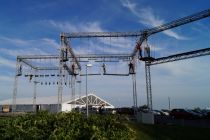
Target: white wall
{"x":66,"y":107}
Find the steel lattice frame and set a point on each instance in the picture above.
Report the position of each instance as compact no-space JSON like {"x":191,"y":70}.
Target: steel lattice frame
{"x":75,"y":59}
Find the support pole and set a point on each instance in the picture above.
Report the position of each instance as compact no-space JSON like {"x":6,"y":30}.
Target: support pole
{"x":148,"y":85}
{"x":73,"y":90}
{"x":34,"y":94}
{"x":86,"y":94}
{"x":14,"y":94}
{"x":79,"y":91}
{"x":34,"y":97}
{"x":60,"y":73}
{"x":60,"y":88}
{"x":134,"y":94}
{"x":18,"y":73}
{"x":169,"y":103}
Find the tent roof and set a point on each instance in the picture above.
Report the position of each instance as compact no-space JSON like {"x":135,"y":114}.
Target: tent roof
{"x":92,"y":100}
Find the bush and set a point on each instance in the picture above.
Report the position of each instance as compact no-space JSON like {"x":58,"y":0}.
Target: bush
{"x":71,"y":126}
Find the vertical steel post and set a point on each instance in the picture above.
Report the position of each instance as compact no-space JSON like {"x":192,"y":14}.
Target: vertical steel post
{"x":169,"y":103}
{"x":79,"y":91}
{"x":14,"y":96}
{"x":134,"y":94}
{"x":86,"y":94}
{"x":35,"y":91}
{"x":73,"y":89}
{"x":34,"y":97}
{"x":60,"y":86}
{"x":148,"y":85}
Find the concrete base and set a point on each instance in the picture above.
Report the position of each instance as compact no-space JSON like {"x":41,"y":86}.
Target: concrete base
{"x":146,"y":118}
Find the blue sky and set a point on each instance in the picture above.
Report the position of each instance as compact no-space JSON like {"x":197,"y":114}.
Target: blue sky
{"x":33,"y":27}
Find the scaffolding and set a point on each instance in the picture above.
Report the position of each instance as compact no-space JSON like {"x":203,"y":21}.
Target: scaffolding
{"x":68,"y":63}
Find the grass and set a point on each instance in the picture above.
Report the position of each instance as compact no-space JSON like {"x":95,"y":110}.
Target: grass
{"x":169,"y":132}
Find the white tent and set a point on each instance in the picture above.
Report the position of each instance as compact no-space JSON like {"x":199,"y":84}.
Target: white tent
{"x":80,"y":102}
{"x":68,"y":103}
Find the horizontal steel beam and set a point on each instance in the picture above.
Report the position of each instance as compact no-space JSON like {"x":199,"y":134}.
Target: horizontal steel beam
{"x":115,"y":74}
{"x":179,"y":22}
{"x":101,"y":34}
{"x":77,"y":56}
{"x":185,"y":20}
{"x":94,"y":74}
{"x":181,"y":56}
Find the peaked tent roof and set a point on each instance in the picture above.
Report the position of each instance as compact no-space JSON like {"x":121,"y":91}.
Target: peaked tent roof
{"x":92,"y":100}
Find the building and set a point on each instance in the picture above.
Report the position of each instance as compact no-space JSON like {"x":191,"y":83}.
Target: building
{"x":50,"y":103}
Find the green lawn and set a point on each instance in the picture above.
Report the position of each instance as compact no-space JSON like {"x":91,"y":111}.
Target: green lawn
{"x":169,"y":132}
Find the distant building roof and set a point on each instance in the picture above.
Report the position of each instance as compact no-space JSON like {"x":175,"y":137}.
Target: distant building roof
{"x":39,"y":100}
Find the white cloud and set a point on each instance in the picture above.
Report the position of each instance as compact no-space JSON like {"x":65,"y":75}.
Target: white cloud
{"x":119,"y":43}
{"x":106,"y":44}
{"x":50,"y":42}
{"x":148,"y":18}
{"x":15,"y":41}
{"x":63,"y":26}
{"x":43,"y":42}
{"x":194,"y":67}
{"x":17,"y":52}
{"x":4,"y":62}
{"x":66,"y":26}
{"x":42,"y":46}
{"x":101,"y":46}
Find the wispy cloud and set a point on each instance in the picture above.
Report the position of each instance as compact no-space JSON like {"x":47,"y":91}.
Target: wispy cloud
{"x":148,"y":18}
{"x":66,"y":26}
{"x":4,"y":62}
{"x":42,"y":46}
{"x":50,"y":43}
{"x":15,"y":41}
{"x":17,"y":52}
{"x":193,"y":68}
{"x":106,"y":45}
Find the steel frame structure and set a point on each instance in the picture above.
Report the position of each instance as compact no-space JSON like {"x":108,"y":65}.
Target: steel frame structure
{"x":26,"y":61}
{"x":66,"y":53}
{"x":143,"y":35}
{"x":170,"y":58}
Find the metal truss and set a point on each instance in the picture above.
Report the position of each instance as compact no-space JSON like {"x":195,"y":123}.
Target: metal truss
{"x":102,"y":34}
{"x":144,"y":34}
{"x":181,"y":56}
{"x":67,"y":58}
{"x":148,"y":85}
{"x":135,"y":105}
{"x":80,"y":58}
{"x":171,"y":58}
{"x":185,"y":20}
{"x":151,"y":31}
{"x":64,"y":67}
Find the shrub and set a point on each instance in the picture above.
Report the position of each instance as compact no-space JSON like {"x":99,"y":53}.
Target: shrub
{"x":71,"y":126}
